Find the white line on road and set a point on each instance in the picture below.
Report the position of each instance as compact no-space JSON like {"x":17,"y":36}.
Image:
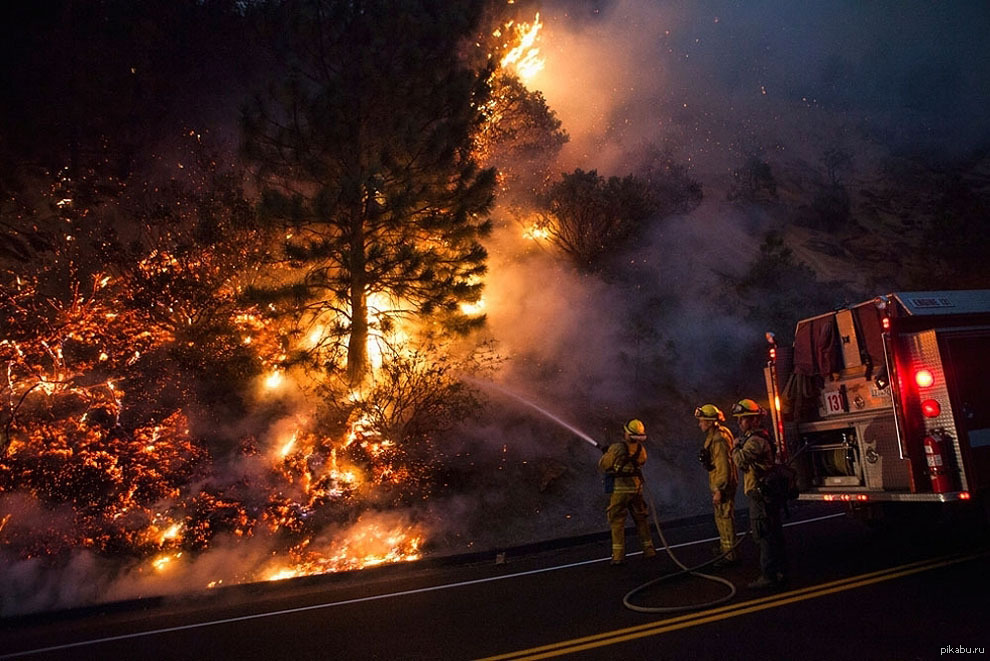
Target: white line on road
{"x":345,"y":602}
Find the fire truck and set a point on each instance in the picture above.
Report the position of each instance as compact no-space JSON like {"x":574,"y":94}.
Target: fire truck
{"x":887,"y":400}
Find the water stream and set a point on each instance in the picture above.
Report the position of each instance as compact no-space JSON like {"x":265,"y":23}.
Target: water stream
{"x":505,"y":391}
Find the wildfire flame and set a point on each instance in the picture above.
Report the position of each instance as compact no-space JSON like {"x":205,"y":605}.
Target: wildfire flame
{"x":473,"y":308}
{"x":536,"y":233}
{"x":366,"y":545}
{"x":130,"y":488}
{"x":82,"y":430}
{"x":274,"y":379}
{"x":524,"y":58}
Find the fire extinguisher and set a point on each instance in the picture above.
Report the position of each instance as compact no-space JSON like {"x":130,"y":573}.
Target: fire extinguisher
{"x":938,"y":469}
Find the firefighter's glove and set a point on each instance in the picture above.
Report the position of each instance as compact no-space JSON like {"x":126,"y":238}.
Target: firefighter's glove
{"x":705,"y":458}
{"x":602,"y":447}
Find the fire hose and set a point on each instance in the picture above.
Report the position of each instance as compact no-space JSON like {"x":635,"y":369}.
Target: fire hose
{"x":684,"y":571}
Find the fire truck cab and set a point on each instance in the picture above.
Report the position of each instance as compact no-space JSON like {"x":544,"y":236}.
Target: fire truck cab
{"x":887,"y":400}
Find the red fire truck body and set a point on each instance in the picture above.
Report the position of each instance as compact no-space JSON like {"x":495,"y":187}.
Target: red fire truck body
{"x":887,"y":400}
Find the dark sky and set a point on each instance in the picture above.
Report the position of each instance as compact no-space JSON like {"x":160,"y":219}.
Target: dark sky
{"x":752,"y":74}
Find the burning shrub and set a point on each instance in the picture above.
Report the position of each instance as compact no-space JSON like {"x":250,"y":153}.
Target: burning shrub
{"x":415,"y":395}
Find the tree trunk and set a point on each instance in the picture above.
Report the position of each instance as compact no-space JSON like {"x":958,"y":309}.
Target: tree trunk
{"x":357,"y":345}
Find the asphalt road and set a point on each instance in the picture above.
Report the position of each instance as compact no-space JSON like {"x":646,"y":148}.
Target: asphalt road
{"x":915,"y":590}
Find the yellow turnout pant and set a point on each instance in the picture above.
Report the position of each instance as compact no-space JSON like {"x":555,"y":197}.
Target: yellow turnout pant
{"x":632,"y":503}
{"x":725,"y":522}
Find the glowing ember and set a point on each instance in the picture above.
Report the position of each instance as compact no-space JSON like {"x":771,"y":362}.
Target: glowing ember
{"x":536,"y":233}
{"x":163,"y":562}
{"x":274,"y":379}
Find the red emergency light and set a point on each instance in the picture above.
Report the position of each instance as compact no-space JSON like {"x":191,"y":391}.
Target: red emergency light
{"x":924,"y":378}
{"x":931,"y":408}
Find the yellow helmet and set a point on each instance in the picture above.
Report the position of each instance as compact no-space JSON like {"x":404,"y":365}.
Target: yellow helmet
{"x":746,"y":407}
{"x":709,"y":412}
{"x":635,"y":427}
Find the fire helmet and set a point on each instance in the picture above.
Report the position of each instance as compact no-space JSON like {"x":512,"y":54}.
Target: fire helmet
{"x":709,"y":412}
{"x":746,"y":407}
{"x":635,"y":428}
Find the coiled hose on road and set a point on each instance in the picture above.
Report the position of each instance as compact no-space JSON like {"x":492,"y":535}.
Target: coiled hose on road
{"x":626,"y":600}
{"x":685,"y":570}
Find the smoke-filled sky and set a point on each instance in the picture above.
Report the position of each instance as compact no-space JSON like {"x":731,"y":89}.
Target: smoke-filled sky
{"x":718,"y":77}
{"x":714,"y":81}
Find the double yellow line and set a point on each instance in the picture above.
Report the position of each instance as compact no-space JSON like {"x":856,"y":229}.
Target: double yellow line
{"x":733,"y":610}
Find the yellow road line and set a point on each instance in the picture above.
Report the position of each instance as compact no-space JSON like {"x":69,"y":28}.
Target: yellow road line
{"x":732,"y":610}
{"x":693,"y":616}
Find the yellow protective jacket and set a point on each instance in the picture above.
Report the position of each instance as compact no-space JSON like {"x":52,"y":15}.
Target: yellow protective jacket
{"x":753,"y":455}
{"x":624,"y":460}
{"x":723,"y":477}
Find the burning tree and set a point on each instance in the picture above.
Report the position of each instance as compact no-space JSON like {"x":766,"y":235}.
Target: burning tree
{"x":141,"y":413}
{"x":522,"y":138}
{"x":364,"y":156}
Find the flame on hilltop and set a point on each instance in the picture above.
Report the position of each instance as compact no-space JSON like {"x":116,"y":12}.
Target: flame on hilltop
{"x":524,"y":57}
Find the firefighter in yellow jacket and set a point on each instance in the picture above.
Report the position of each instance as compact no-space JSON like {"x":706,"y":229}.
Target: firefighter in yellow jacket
{"x":754,"y":453}
{"x":716,"y":457}
{"x":622,"y":463}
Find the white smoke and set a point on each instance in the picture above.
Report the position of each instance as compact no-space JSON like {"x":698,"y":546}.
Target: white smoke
{"x":712,"y":82}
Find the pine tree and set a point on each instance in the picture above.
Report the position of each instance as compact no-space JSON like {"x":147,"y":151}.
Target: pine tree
{"x":364,"y":154}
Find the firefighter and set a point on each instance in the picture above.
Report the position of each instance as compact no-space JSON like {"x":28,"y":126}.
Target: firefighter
{"x":716,"y":457}
{"x":622,"y":463}
{"x":754,"y":454}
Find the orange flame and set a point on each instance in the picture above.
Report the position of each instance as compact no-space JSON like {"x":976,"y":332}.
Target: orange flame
{"x":367,"y":544}
{"x":525,"y":58}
